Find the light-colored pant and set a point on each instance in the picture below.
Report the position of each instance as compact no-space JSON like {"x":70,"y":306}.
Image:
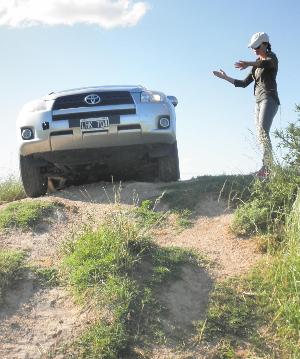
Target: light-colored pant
{"x":265,"y":112}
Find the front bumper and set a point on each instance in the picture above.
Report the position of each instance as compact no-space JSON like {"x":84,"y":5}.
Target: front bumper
{"x":138,"y":126}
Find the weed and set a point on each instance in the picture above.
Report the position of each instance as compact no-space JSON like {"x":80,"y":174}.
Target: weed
{"x":25,"y":214}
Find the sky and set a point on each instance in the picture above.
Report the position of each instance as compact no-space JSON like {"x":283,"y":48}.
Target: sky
{"x":166,"y":45}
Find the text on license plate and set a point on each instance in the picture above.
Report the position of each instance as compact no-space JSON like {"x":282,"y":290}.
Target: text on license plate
{"x":97,"y":124}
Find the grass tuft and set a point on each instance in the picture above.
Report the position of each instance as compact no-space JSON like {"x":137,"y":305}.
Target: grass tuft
{"x":11,"y":189}
{"x":24,"y":215}
{"x":116,"y":267}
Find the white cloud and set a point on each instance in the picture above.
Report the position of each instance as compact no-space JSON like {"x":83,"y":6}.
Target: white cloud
{"x":104,"y":13}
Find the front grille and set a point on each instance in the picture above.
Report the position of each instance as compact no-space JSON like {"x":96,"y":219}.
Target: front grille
{"x":107,"y":99}
{"x":74,"y":118}
{"x":94,"y":114}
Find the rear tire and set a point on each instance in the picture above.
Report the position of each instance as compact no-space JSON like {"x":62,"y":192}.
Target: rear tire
{"x":168,"y":166}
{"x":34,"y":182}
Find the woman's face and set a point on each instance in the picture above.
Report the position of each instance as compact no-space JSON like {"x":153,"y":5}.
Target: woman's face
{"x":260,"y":50}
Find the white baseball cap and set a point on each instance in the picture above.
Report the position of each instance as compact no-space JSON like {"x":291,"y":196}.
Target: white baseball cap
{"x":257,"y":39}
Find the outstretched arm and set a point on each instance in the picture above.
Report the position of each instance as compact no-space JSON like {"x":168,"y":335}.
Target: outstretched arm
{"x":237,"y":83}
{"x":222,"y":75}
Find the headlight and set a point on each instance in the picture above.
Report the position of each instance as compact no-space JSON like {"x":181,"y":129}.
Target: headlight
{"x":35,"y":106}
{"x":149,"y":96}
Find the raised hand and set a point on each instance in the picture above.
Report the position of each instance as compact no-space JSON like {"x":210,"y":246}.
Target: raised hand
{"x":242,"y":65}
{"x":221,"y":74}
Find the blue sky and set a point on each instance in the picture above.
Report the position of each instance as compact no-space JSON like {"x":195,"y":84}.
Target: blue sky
{"x":173,"y":47}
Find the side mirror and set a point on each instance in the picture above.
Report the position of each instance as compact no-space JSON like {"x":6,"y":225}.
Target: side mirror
{"x":173,"y":99}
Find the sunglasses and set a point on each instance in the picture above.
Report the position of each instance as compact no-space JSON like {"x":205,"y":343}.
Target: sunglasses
{"x":257,"y":48}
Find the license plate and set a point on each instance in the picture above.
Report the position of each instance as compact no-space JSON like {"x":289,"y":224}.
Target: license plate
{"x":94,"y":125}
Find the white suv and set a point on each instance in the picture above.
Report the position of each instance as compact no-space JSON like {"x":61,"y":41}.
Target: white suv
{"x":88,"y":134}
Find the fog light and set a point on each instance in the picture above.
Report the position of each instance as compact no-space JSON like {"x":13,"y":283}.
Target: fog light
{"x":164,"y":122}
{"x":27,"y":133}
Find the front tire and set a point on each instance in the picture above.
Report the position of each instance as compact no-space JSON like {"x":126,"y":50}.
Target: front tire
{"x":34,"y":182}
{"x":168,"y":166}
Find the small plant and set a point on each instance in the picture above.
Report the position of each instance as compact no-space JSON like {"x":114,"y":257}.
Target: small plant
{"x":147,"y":215}
{"x":24,"y":214}
{"x":11,"y":264}
{"x":11,"y":189}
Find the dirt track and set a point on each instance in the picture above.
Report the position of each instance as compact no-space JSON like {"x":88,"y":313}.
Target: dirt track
{"x":35,"y":319}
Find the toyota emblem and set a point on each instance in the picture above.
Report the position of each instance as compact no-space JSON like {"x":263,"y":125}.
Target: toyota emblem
{"x":92,"y":99}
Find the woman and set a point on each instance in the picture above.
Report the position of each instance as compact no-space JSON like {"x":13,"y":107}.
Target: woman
{"x":263,"y":73}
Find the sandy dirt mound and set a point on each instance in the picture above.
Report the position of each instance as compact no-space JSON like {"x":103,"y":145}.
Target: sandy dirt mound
{"x":35,"y":320}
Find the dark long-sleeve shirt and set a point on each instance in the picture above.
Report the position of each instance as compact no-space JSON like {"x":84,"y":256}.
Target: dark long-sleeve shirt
{"x":264,"y":76}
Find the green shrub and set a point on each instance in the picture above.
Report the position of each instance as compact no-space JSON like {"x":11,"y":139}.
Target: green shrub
{"x":269,"y":203}
{"x":290,"y":142}
{"x":271,"y":200}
